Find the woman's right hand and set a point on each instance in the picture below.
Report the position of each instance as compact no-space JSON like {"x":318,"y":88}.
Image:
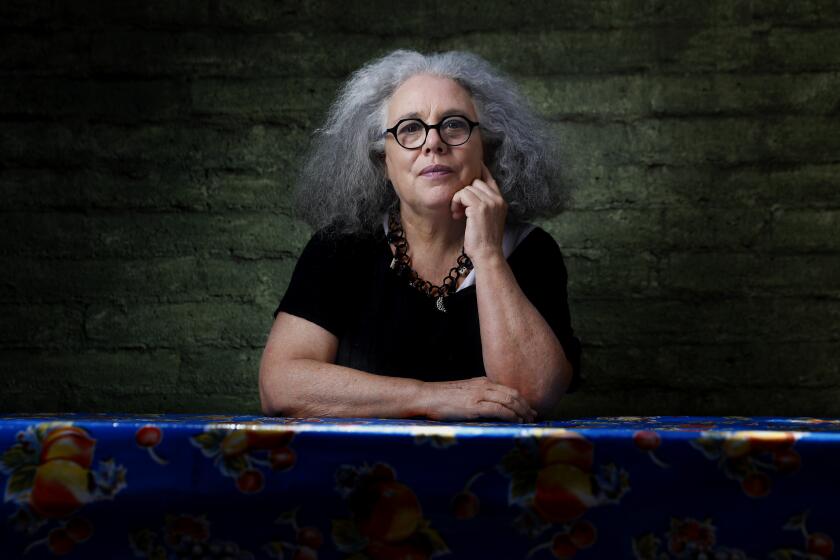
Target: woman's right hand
{"x":475,"y":398}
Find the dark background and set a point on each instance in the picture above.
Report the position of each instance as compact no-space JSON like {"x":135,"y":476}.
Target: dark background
{"x":147,"y":151}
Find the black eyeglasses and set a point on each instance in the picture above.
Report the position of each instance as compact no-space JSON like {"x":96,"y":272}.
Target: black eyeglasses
{"x":411,"y":133}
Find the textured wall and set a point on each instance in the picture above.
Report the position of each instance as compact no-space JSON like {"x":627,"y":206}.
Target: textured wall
{"x":147,"y":151}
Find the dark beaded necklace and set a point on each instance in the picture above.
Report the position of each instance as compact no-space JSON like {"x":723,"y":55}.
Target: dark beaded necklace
{"x":401,"y":264}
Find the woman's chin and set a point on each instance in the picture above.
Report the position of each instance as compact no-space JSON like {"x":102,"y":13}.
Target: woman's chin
{"x":439,"y":204}
{"x":434,"y":198}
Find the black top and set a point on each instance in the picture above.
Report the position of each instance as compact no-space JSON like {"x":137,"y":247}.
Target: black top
{"x":387,"y":327}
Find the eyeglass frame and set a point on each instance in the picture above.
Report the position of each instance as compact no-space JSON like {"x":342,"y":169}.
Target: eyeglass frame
{"x":393,"y":130}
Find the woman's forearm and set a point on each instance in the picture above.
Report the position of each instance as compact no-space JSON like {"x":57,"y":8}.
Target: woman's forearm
{"x":519,"y":348}
{"x":308,"y":388}
{"x":298,"y":377}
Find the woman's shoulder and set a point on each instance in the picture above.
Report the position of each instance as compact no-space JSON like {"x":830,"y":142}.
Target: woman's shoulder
{"x":537,"y":254}
{"x":529,"y":238}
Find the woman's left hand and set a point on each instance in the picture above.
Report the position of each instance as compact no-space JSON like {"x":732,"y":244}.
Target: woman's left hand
{"x":485,"y":209}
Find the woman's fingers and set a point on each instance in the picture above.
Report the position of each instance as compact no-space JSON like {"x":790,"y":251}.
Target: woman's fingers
{"x":485,"y":212}
{"x":476,"y":195}
{"x":470,"y":196}
{"x":506,"y":397}
{"x":458,"y":206}
{"x":490,"y":409}
{"x":482,"y":191}
{"x":477,"y":398}
{"x":487,"y":196}
{"x":511,"y":399}
{"x":462,"y":200}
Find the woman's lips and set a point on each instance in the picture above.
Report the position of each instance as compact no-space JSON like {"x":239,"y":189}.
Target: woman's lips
{"x":435,"y":171}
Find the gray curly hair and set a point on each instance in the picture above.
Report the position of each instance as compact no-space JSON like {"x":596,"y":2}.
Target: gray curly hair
{"x":343,"y":185}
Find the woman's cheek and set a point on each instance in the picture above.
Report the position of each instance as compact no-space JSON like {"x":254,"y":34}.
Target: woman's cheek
{"x":470,"y":176}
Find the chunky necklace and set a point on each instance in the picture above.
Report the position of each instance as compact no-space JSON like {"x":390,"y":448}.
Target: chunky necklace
{"x":401,"y":263}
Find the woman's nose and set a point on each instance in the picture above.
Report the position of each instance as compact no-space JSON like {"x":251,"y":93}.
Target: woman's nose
{"x":434,"y":142}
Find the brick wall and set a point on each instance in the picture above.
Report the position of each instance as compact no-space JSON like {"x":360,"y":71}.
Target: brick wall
{"x":147,"y":150}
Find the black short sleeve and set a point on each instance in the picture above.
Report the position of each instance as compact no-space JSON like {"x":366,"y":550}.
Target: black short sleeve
{"x":540,"y":272}
{"x":313,"y":294}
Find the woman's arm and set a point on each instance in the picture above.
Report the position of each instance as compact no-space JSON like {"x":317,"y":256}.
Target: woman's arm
{"x":519,"y":348}
{"x":298,"y":377}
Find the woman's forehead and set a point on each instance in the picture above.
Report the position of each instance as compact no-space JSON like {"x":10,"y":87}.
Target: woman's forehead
{"x":424,"y":95}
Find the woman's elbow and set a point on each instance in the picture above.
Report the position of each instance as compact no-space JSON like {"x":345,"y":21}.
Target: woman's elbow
{"x":545,"y":395}
{"x":274,"y":400}
{"x":546,"y":405}
{"x":267,"y":404}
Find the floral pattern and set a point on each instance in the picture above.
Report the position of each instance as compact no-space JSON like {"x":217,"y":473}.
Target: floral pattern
{"x":240,"y":453}
{"x":386,"y":519}
{"x":555,"y":480}
{"x":184,"y":536}
{"x":51,"y":478}
{"x":166,"y":487}
{"x":751,"y":457}
{"x":686,"y":539}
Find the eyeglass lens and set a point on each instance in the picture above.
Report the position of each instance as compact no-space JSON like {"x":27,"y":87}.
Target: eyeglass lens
{"x":453,"y":131}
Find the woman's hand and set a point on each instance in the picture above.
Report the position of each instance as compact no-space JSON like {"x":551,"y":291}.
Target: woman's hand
{"x":485,"y":208}
{"x":475,"y":398}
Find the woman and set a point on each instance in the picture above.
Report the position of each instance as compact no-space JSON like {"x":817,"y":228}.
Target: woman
{"x":424,"y":292}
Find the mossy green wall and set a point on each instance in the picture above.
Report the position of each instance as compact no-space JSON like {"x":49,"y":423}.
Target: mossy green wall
{"x":147,"y":151}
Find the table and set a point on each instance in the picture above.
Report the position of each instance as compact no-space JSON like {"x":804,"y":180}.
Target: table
{"x":247,"y":487}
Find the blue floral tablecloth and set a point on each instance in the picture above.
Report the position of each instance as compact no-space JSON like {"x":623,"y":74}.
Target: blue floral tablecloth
{"x":245,"y":487}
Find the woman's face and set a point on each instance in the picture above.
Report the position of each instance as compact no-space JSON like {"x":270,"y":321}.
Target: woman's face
{"x":419,"y":184}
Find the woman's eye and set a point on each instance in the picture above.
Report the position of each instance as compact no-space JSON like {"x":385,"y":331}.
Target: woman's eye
{"x":455,"y":124}
{"x":409,"y":128}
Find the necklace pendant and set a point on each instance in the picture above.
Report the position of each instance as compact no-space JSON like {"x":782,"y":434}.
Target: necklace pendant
{"x":393,"y":263}
{"x":439,"y":304}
